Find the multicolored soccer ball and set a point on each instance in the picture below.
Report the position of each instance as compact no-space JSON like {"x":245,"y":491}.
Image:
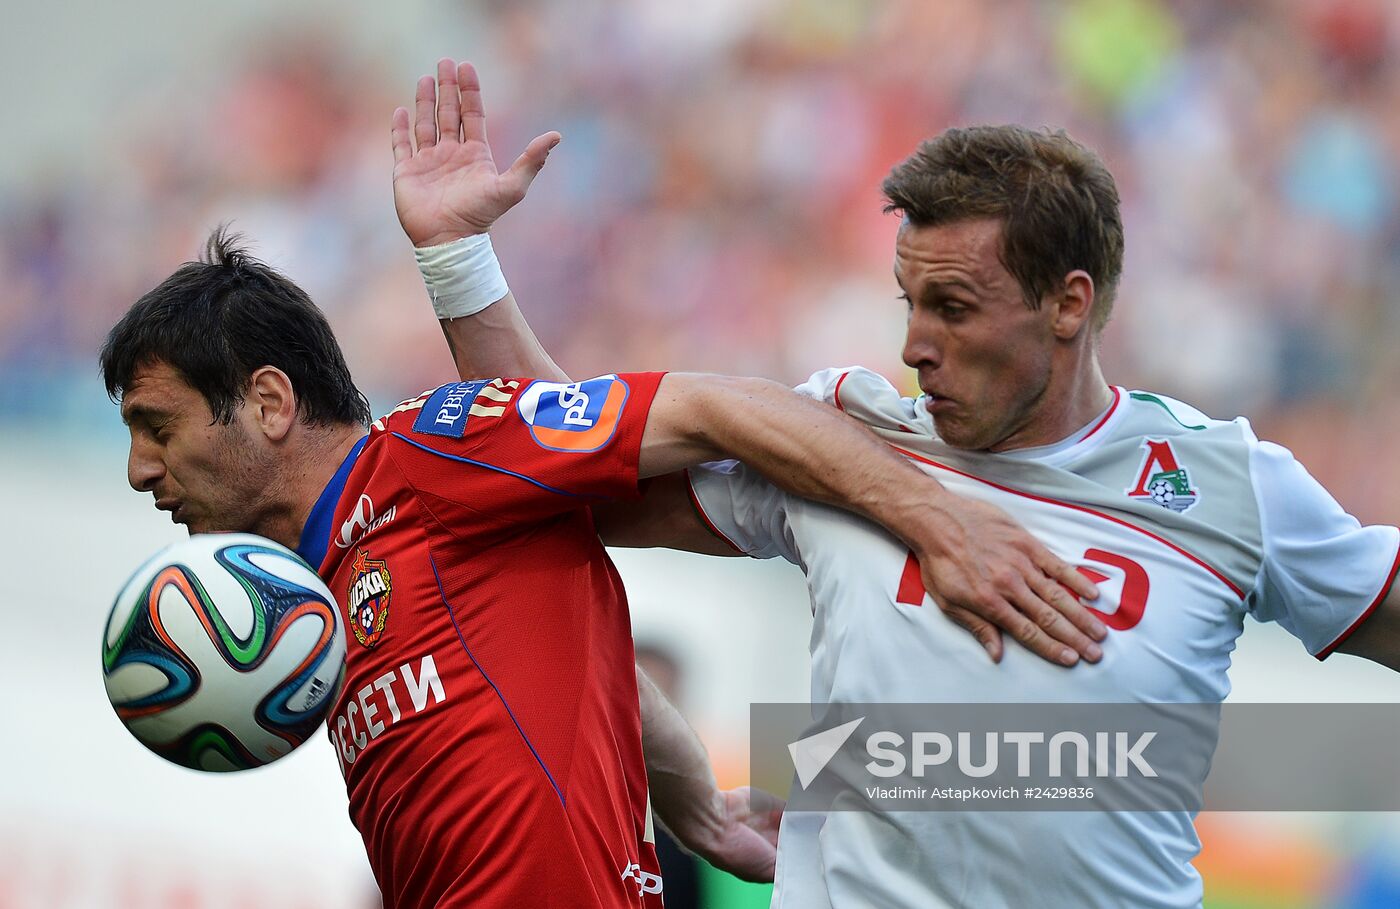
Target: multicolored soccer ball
{"x":223,"y":652}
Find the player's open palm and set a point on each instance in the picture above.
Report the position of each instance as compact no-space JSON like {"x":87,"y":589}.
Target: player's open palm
{"x":449,"y":186}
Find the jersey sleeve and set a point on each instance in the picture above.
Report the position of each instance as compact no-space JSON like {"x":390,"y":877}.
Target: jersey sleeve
{"x":1323,"y":572}
{"x":822,"y":384}
{"x":488,"y":453}
{"x":749,"y":512}
{"x":865,"y":395}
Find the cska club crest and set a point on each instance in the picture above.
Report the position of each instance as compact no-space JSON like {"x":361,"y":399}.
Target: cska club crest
{"x":367,"y":603}
{"x":1162,"y":480}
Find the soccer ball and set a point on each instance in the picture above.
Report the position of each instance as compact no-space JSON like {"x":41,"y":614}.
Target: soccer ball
{"x":223,"y":652}
{"x":1162,"y":493}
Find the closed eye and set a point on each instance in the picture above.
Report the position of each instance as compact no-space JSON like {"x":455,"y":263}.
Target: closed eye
{"x":152,"y":426}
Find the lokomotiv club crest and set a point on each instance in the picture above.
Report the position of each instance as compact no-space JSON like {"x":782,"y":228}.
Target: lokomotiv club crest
{"x":1162,"y":480}
{"x":367,"y":603}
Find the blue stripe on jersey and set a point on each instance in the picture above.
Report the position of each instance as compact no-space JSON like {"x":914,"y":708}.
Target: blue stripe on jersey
{"x":510,"y":713}
{"x":316,"y":535}
{"x":519,"y":476}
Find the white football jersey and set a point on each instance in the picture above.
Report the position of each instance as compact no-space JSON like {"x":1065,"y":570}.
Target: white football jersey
{"x":1185,"y":522}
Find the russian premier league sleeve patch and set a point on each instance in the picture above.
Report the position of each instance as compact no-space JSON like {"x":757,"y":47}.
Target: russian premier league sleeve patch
{"x":579,"y":417}
{"x":445,"y":411}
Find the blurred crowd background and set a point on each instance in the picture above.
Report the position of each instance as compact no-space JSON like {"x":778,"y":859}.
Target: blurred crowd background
{"x":715,"y":205}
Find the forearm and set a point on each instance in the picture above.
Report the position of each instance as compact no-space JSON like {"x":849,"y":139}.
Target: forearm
{"x":803,"y":446}
{"x":683,"y":790}
{"x":497,"y":341}
{"x":663,"y":516}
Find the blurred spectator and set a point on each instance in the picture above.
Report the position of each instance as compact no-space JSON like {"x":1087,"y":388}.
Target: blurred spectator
{"x":715,"y":202}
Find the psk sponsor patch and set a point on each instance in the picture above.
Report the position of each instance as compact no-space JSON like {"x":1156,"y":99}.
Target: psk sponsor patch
{"x":579,"y":417}
{"x":367,"y":600}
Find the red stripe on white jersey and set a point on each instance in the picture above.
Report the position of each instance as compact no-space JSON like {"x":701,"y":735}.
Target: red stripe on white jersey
{"x":1080,"y":508}
{"x":1325,"y":652}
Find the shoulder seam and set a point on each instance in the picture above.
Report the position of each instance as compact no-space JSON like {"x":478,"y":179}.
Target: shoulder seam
{"x":492,"y":467}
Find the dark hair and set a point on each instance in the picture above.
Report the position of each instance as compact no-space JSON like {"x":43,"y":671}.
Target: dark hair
{"x":219,"y":319}
{"x":1057,"y":201}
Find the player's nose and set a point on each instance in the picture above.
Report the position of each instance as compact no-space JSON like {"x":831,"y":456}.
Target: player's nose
{"x":143,"y":468}
{"x":921,"y":347}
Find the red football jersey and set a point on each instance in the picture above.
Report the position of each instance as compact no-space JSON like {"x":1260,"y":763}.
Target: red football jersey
{"x":488,"y":730}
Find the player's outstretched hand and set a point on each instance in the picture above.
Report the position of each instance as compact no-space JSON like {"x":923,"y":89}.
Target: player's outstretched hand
{"x":988,"y":573}
{"x":449,"y":187}
{"x":746,"y":842}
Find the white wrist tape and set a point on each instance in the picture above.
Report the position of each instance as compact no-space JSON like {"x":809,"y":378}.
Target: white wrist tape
{"x":463,"y":276}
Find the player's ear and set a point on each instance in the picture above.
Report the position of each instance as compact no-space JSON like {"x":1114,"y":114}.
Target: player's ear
{"x":1074,"y":305}
{"x":271,"y":403}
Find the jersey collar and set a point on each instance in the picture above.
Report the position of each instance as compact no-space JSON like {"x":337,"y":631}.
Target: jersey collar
{"x":1076,"y":443}
{"x":315,"y":536}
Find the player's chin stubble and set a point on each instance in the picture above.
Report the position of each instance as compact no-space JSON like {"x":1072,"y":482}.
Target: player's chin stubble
{"x":245,"y":486}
